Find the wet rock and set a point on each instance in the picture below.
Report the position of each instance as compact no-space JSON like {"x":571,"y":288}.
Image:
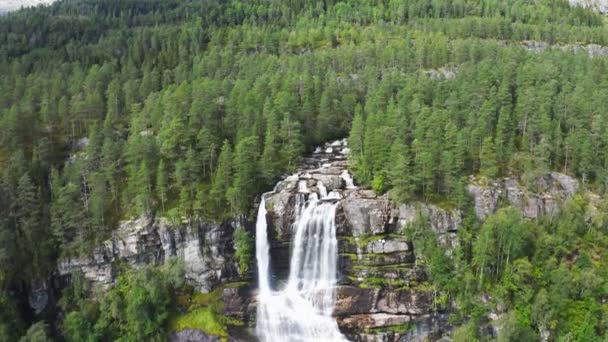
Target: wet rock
{"x":239,"y":302}
{"x":330,"y":181}
{"x":38,"y":297}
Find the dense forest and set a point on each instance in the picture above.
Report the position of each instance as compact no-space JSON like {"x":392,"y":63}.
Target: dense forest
{"x":190,"y":109}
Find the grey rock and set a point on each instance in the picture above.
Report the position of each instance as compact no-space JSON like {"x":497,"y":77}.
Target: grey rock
{"x":191,"y":335}
{"x":404,"y":302}
{"x":597,"y":5}
{"x":355,"y":300}
{"x":551,"y":190}
{"x":485,"y":199}
{"x":388,"y":245}
{"x":364,"y":216}
{"x":38,"y":297}
{"x":206,"y":250}
{"x":427,"y":328}
{"x":330,"y":181}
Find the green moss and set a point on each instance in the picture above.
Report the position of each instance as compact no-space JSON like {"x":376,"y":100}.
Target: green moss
{"x":423,"y":287}
{"x":381,"y":282}
{"x":400,"y":329}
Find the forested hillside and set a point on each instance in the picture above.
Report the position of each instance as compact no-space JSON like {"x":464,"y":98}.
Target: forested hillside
{"x":190,"y":109}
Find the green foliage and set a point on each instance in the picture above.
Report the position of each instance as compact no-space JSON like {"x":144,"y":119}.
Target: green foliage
{"x":37,"y":332}
{"x":192,"y":108}
{"x":465,"y":333}
{"x":136,"y":308}
{"x":243,"y":244}
{"x":204,"y":313}
{"x":502,"y":238}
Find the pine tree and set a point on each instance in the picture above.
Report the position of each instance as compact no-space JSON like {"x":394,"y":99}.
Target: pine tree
{"x":292,"y":143}
{"x":487,"y":158}
{"x":271,"y":161}
{"x":143,"y":197}
{"x":356,"y":139}
{"x":223,"y":177}
{"x":28,"y":215}
{"x":162,"y":184}
{"x":400,"y":173}
{"x":245,"y":183}
{"x":206,"y":143}
{"x":67,"y":215}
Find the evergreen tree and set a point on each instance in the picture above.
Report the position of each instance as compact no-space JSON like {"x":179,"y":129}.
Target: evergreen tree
{"x":162,"y":184}
{"x":223,"y":177}
{"x":245,"y":182}
{"x":292,"y":143}
{"x":487,"y":157}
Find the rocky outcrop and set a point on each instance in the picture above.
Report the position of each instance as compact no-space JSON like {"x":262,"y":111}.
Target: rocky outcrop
{"x":205,"y":248}
{"x":597,"y":5}
{"x":592,"y":50}
{"x":379,"y":279}
{"x":550,"y":191}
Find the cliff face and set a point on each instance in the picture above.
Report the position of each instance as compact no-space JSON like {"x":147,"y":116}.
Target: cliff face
{"x":383,"y":293}
{"x":206,"y":249}
{"x":380,"y":296}
{"x":549,"y":192}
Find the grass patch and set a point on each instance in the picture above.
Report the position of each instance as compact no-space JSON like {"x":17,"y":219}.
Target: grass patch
{"x":203,"y":311}
{"x":205,"y":319}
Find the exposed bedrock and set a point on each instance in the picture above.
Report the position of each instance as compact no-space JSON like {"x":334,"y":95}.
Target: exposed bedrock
{"x":205,"y":248}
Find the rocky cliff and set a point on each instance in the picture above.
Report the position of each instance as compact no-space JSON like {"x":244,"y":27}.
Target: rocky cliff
{"x":383,"y":292}
{"x":205,"y":248}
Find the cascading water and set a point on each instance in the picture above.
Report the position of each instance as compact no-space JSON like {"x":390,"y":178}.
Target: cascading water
{"x":302,"y":309}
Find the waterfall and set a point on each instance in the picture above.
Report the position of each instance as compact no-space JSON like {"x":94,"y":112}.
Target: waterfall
{"x":348,"y":179}
{"x":262,"y":254}
{"x":301,"y":311}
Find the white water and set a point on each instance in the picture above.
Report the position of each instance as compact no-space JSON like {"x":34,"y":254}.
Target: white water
{"x":348,"y":179}
{"x":322,"y":189}
{"x":302,"y":310}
